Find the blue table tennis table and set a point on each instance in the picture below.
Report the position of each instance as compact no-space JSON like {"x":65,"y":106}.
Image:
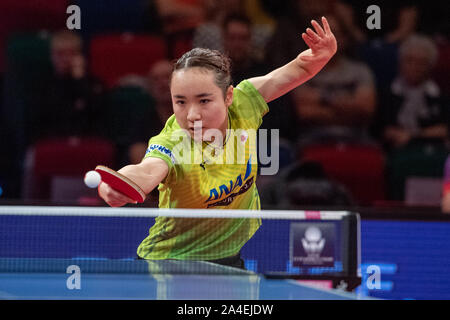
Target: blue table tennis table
{"x":72,"y":279}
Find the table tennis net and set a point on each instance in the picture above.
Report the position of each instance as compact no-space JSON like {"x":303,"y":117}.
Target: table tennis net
{"x":287,"y":242}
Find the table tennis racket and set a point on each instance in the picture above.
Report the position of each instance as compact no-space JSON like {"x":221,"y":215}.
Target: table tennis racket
{"x":121,"y":183}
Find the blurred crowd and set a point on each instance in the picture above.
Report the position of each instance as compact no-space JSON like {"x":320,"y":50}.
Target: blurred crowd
{"x":370,"y":128}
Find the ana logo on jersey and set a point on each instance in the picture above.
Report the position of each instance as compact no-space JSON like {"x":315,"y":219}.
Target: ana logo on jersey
{"x":229,"y":191}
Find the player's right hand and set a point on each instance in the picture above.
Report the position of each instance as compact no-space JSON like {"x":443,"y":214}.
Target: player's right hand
{"x":112,"y":197}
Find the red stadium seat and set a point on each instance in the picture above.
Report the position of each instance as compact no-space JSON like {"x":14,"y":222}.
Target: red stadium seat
{"x":24,"y":16}
{"x":117,"y":55}
{"x":361,"y":168}
{"x":63,"y":158}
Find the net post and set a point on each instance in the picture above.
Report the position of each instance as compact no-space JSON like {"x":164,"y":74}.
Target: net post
{"x":352,"y":244}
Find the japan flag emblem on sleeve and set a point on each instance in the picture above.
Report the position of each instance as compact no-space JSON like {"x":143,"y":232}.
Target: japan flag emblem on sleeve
{"x":244,"y":137}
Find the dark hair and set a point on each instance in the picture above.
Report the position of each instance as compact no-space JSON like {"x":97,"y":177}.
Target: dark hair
{"x":212,"y":60}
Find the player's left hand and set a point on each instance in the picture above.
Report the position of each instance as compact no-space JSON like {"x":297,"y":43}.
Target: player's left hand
{"x":321,"y":42}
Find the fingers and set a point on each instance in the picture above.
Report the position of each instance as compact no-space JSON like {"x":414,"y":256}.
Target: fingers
{"x":314,"y":37}
{"x":318,"y":28}
{"x":113,"y":197}
{"x":326,"y":26}
{"x":308,"y":40}
{"x":118,"y":196}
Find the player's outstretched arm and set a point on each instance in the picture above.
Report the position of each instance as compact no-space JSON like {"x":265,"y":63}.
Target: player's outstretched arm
{"x":147,"y":175}
{"x":322,"y":46}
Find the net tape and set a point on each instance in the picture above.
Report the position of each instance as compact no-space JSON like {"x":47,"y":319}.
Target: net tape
{"x":175,"y":213}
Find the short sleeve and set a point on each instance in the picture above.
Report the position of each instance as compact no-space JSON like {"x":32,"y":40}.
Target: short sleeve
{"x":161,"y":146}
{"x":248,"y":103}
{"x":160,"y":149}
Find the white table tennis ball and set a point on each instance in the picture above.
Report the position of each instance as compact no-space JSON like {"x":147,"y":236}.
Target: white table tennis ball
{"x":92,"y":179}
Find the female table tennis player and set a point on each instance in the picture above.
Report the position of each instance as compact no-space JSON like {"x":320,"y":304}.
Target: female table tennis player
{"x":204,"y":99}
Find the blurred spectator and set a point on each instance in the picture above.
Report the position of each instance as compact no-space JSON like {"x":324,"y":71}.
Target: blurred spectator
{"x":210,"y":34}
{"x":445,"y":204}
{"x":413,"y":108}
{"x":407,"y":24}
{"x":237,"y":45}
{"x":290,"y":25}
{"x":303,"y":184}
{"x":157,"y":114}
{"x":159,"y":81}
{"x":399,"y":20}
{"x":70,"y":102}
{"x":292,"y":18}
{"x":229,"y":30}
{"x":260,"y":14}
{"x":180,"y":15}
{"x":339,"y":102}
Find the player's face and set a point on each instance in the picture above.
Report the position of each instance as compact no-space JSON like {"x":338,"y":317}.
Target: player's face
{"x":199,"y":103}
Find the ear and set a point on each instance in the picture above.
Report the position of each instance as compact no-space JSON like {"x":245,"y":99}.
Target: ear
{"x":229,"y":96}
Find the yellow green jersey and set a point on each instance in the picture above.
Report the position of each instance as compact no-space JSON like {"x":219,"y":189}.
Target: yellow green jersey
{"x":205,"y":176}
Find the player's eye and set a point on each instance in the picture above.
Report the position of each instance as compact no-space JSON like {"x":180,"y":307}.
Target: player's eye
{"x":180,"y":102}
{"x":204,"y":101}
